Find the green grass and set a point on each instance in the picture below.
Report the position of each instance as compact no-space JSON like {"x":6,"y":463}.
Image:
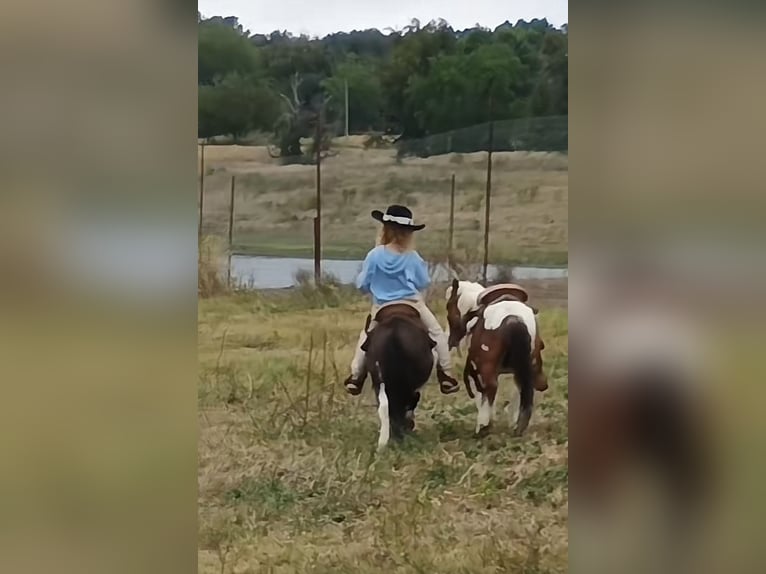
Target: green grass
{"x":289,"y":480}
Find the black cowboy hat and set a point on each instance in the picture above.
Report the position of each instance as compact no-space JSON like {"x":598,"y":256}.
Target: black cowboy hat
{"x":397,"y":215}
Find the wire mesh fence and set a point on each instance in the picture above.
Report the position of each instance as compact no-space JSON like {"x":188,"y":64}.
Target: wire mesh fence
{"x":275,"y":198}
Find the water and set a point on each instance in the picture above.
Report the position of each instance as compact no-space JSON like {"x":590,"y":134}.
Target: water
{"x":279,"y":272}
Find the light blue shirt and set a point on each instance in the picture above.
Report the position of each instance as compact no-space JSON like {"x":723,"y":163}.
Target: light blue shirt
{"x":390,"y":276}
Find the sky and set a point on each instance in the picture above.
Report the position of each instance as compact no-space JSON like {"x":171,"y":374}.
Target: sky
{"x":323,"y":17}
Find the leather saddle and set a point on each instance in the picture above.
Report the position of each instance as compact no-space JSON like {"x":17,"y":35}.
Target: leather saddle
{"x":503,"y":291}
{"x":496,"y":294}
{"x":387,"y":311}
{"x":397,"y":309}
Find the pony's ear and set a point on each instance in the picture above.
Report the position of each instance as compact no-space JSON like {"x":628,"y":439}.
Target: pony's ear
{"x":455,"y":285}
{"x":535,"y":310}
{"x":367,"y":322}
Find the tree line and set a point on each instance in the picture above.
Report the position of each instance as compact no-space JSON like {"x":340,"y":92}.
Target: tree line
{"x":419,"y":81}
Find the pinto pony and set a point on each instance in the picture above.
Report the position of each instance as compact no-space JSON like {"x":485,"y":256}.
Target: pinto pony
{"x":399,"y":357}
{"x":503,"y":338}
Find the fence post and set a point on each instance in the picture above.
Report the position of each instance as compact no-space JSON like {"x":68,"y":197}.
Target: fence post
{"x":231,"y":230}
{"x":201,"y":192}
{"x":346,"y":114}
{"x":318,"y":218}
{"x":488,"y":193}
{"x":450,"y":244}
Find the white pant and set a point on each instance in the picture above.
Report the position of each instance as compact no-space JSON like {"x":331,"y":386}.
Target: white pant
{"x":435,"y":331}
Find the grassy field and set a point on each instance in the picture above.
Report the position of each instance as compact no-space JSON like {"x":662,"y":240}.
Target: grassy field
{"x":289,"y":481}
{"x":275,"y":204}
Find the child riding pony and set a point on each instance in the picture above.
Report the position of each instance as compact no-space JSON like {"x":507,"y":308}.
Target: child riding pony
{"x":394,"y":272}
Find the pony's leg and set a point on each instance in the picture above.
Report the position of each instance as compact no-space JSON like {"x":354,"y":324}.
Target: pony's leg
{"x":481,"y":419}
{"x":486,"y":399}
{"x":512,"y":404}
{"x":385,"y":419}
{"x":409,"y":414}
{"x":526,"y":400}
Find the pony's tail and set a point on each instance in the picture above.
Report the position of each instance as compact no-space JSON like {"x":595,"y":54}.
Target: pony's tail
{"x":519,"y":339}
{"x":379,"y":369}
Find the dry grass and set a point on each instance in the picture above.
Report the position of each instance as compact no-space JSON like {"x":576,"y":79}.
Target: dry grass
{"x":289,"y":480}
{"x":275,"y":204}
{"x":210,"y":262}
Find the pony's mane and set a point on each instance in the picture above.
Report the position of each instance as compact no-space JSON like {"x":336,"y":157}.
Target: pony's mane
{"x":467,"y":295}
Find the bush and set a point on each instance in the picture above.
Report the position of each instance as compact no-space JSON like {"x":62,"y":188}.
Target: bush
{"x":329,"y":293}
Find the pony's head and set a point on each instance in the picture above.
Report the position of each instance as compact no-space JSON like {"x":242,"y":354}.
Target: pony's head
{"x":462,"y":297}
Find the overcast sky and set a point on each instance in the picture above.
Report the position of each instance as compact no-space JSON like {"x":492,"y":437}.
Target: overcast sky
{"x":323,"y":17}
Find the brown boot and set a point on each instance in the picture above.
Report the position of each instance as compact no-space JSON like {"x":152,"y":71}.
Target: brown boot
{"x":447,"y":384}
{"x":354,"y":386}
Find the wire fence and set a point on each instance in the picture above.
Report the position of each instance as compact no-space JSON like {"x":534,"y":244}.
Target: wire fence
{"x":265,"y":204}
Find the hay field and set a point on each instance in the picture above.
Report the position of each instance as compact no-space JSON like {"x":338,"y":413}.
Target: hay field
{"x":275,"y":204}
{"x":289,"y":481}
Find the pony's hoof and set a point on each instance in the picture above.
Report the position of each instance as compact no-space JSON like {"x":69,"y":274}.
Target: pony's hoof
{"x":482,"y":432}
{"x":517,"y":432}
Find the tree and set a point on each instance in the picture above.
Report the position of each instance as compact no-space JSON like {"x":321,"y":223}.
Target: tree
{"x":416,"y":82}
{"x":365,"y":94}
{"x":456,"y":91}
{"x":412,"y":56}
{"x":223,"y":49}
{"x":236,"y":105}
{"x":300,"y":112}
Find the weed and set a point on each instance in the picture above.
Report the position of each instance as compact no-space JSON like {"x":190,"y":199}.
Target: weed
{"x":210,"y":279}
{"x":329,"y":293}
{"x":268,"y":496}
{"x":538,"y":487}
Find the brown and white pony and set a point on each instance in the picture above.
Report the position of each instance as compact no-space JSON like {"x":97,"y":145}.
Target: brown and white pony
{"x":503,"y":338}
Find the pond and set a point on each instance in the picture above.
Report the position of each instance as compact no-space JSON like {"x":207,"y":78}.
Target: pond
{"x":279,"y":272}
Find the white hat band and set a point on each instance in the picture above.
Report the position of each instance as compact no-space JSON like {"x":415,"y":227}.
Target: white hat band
{"x":397,"y":219}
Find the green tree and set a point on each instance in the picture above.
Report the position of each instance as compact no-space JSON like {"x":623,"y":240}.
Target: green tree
{"x":456,"y":92}
{"x":419,"y":81}
{"x":413,"y":56}
{"x":223,"y":49}
{"x":365,"y":94}
{"x":236,"y":105}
